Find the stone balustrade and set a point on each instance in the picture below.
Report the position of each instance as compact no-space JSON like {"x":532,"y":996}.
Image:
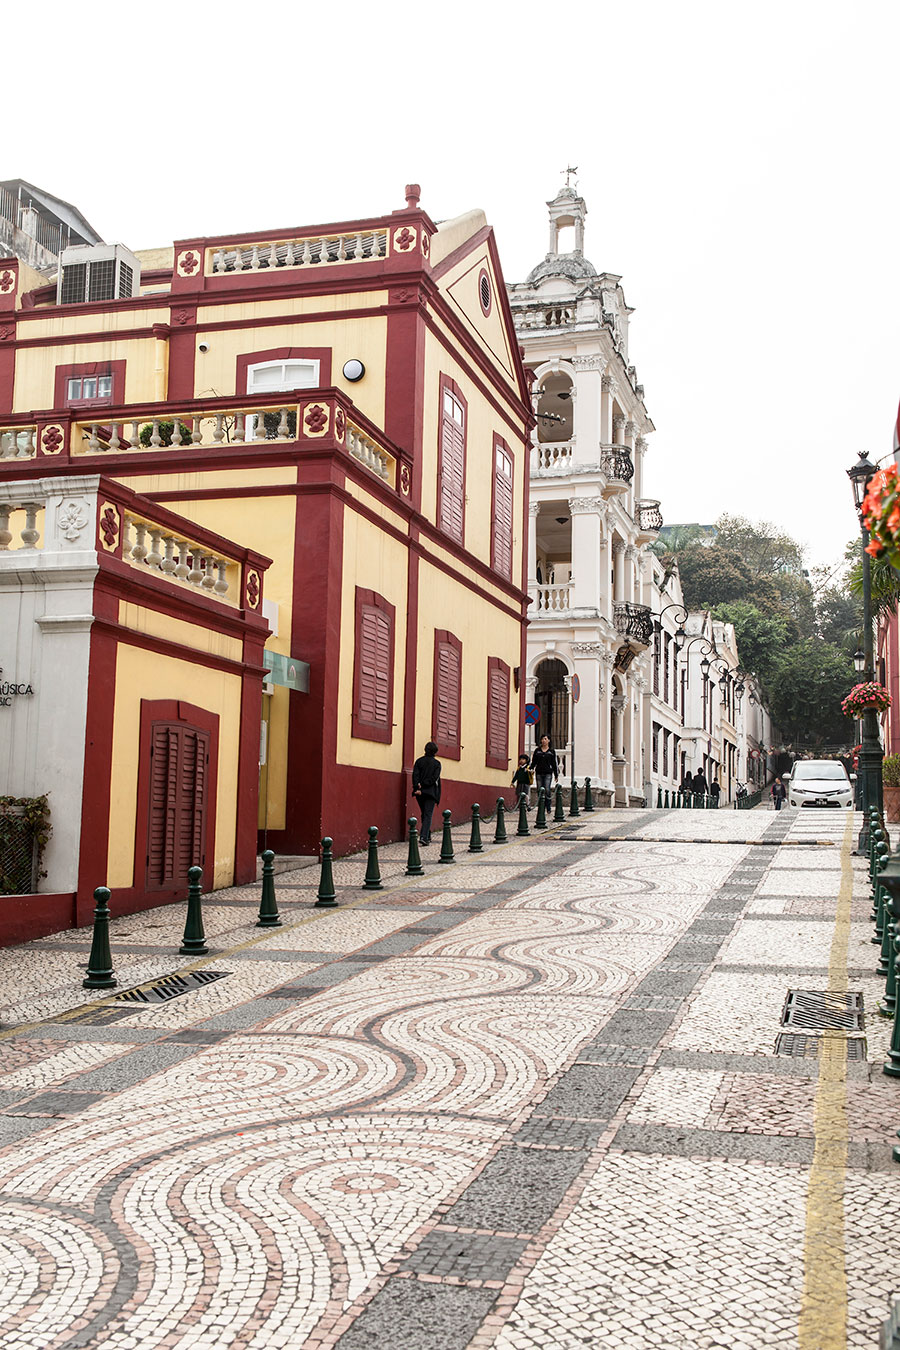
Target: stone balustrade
{"x":369,"y":453}
{"x":553,"y":458}
{"x":184,"y":430}
{"x":634,"y":622}
{"x":648,"y":517}
{"x":551,"y":600}
{"x":307,"y":251}
{"x":18,"y":442}
{"x":558,"y":315}
{"x":21,"y":525}
{"x":150,"y":546}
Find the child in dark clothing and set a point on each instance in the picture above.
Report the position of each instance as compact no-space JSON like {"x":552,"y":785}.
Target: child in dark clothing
{"x":522,"y":779}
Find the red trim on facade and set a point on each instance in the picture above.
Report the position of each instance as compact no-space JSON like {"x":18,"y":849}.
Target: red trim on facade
{"x":371,"y":606}
{"x":320,"y":354}
{"x":182,"y":351}
{"x":26,"y":917}
{"x":484,"y":276}
{"x":448,"y":748}
{"x":96,"y":787}
{"x":64,"y":373}
{"x":174,"y":710}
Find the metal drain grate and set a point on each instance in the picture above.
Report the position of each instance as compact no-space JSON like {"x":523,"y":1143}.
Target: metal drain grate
{"x":169,"y":987}
{"x":823,"y":1010}
{"x":816,"y":1047}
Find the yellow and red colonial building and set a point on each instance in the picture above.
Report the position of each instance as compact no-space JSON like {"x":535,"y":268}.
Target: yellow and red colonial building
{"x":293,"y":468}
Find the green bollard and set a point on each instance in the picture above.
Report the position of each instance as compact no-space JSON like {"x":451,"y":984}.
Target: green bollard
{"x":372,"y":880}
{"x":588,"y":796}
{"x":523,"y":815}
{"x":881,"y":859}
{"x":193,"y":943}
{"x":500,"y":836}
{"x":888,"y":1004}
{"x":100,"y":972}
{"x":885,"y":960}
{"x":414,"y":866}
{"x":540,"y":820}
{"x":475,"y":840}
{"x":325,"y":896}
{"x":268,"y":906}
{"x":891,"y":1066}
{"x":658,"y":798}
{"x":447,"y":841}
{"x":573,"y":799}
{"x":559,"y":813}
{"x":875,"y":844}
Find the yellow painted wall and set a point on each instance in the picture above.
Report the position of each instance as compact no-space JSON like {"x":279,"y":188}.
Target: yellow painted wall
{"x":363,"y":338}
{"x":377,"y":562}
{"x":483,"y":424}
{"x":483,"y":632}
{"x":151,"y":675}
{"x":36,"y":369}
{"x":156,"y":624}
{"x":461,"y":288}
{"x":63,"y":324}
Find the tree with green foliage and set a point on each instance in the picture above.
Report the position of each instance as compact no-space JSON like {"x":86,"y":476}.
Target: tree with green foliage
{"x":712,"y":576}
{"x":761,"y":637}
{"x":805,"y":693}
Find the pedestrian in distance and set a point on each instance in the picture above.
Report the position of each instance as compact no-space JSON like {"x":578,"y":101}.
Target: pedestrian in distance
{"x":779,"y":792}
{"x":523,"y":778}
{"x":687,"y":783}
{"x":701,"y":787}
{"x":715,"y":790}
{"x":545,"y":766}
{"x":426,"y":788}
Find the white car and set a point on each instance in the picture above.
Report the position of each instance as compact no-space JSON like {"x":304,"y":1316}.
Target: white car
{"x":819,"y":782}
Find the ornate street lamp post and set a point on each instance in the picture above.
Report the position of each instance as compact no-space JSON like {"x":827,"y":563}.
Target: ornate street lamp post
{"x":870,"y":753}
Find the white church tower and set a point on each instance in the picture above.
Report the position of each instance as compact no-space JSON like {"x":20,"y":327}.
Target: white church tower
{"x":590,"y":577}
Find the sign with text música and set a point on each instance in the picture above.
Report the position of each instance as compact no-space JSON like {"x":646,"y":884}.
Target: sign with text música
{"x":10,"y":689}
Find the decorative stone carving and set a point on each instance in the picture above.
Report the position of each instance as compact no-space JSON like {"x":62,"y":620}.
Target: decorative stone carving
{"x":619,"y":547}
{"x":71,"y":519}
{"x":587,"y":506}
{"x":608,"y":384}
{"x":188,"y":263}
{"x":405,"y":239}
{"x":534,"y":508}
{"x":589,"y":363}
{"x":108,"y":526}
{"x":595,"y":649}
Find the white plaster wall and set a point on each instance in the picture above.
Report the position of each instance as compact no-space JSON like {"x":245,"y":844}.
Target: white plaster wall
{"x":46,"y":599}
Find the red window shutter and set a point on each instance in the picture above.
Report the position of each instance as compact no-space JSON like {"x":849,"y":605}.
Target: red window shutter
{"x":453,"y":461}
{"x":176,"y":831}
{"x":447,"y":693}
{"x":501,"y":545}
{"x":498,"y":714}
{"x":374,"y":667}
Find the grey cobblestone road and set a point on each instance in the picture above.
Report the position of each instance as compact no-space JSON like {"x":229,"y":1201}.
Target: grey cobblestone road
{"x":530,"y":1100}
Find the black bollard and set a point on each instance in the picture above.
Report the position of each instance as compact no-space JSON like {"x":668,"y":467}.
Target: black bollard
{"x":325,"y":896}
{"x":268,"y":906}
{"x":540,"y":820}
{"x":500,"y":836}
{"x":475,"y":840}
{"x":447,"y":841}
{"x":559,"y":813}
{"x":588,"y":796}
{"x":100,"y":972}
{"x":659,"y":796}
{"x":666,"y":802}
{"x":414,"y":866}
{"x":523,"y":815}
{"x":193,"y":943}
{"x":573,"y":799}
{"x":373,"y":871}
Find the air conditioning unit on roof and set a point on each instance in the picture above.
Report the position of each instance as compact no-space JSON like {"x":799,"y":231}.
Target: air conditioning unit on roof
{"x":89,"y":272}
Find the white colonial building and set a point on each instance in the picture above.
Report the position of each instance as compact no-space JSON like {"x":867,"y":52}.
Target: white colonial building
{"x":590,"y":576}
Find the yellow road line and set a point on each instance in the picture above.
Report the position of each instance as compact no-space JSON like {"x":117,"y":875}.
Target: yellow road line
{"x":823,"y":1312}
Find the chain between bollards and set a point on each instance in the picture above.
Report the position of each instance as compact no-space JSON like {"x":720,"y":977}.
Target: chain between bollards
{"x":500,"y":835}
{"x":100,"y":972}
{"x":268,"y":906}
{"x":325,"y":896}
{"x":373,"y":871}
{"x":193,"y":943}
{"x":446,"y":855}
{"x":540,"y":820}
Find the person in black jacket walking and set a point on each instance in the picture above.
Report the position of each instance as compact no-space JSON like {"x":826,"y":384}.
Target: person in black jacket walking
{"x":545,"y":765}
{"x":426,"y":788}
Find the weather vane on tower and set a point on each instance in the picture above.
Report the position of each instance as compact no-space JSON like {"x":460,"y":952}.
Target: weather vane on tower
{"x":568,"y":172}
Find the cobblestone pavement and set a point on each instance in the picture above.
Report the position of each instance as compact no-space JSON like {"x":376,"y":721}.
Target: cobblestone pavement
{"x":529,"y":1100}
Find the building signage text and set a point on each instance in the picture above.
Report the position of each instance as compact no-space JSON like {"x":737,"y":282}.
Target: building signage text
{"x":10,"y":690}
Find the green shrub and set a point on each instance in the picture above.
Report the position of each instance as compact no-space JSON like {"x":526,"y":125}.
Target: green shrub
{"x":166,"y":430}
{"x":890,"y":771}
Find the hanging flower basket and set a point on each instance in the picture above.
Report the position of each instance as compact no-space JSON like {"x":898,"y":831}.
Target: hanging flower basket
{"x":881,"y":515}
{"x":862,"y":697}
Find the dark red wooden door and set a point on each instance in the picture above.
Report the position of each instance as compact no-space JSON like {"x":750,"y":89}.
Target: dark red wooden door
{"x":176,"y":828}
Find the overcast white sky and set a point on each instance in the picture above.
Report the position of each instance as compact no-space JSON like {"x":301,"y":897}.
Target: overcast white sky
{"x":739,"y":162}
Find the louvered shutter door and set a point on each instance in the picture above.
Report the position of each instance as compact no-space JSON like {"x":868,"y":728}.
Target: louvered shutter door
{"x":176,"y":830}
{"x":503,"y":501}
{"x":498,"y":714}
{"x":448,"y":681}
{"x":453,"y":450}
{"x":374,"y":666}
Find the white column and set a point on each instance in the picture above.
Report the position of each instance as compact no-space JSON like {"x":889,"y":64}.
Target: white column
{"x":619,"y":424}
{"x":607,"y":391}
{"x":534,"y":510}
{"x":631,"y":564}
{"x":586,"y":657}
{"x":619,"y":565}
{"x":606,"y":748}
{"x":587,"y":515}
{"x":640,"y":448}
{"x":587,"y":412}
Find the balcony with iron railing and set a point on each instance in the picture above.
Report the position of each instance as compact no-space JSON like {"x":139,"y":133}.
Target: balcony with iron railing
{"x":634,"y":622}
{"x":618,"y":468}
{"x":648,"y":518}
{"x":200,"y":431}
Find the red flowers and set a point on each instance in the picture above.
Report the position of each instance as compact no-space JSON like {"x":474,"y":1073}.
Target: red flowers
{"x":881,"y":514}
{"x":865,"y":696}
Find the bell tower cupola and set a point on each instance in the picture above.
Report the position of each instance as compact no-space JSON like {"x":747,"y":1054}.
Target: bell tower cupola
{"x":567,"y":209}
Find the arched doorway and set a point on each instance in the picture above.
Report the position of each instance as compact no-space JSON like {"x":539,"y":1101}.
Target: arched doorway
{"x":552,"y":697}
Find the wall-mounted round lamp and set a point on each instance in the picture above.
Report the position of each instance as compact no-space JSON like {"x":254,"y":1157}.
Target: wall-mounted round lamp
{"x":353,"y":370}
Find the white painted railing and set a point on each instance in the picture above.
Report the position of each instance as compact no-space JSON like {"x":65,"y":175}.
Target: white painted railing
{"x":175,"y":430}
{"x":21,"y":521}
{"x":307,"y":251}
{"x":552,"y":599}
{"x":544,"y":316}
{"x":554,"y":457}
{"x":363,"y":448}
{"x":17,"y":442}
{"x":151,"y":547}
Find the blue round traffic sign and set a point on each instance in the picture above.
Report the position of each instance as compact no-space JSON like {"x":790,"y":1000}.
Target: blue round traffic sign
{"x":532,"y":714}
{"x":576,"y":689}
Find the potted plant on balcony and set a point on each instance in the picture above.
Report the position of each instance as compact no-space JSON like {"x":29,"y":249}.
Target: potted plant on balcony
{"x":865,"y":697}
{"x":890,"y":780}
{"x":165,"y":430}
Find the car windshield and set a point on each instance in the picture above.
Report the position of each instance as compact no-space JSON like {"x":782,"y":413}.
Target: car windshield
{"x":817,"y":769}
